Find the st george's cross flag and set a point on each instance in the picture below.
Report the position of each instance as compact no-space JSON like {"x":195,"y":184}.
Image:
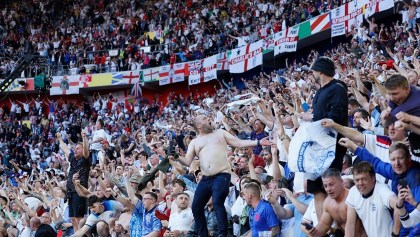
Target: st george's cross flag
{"x":245,"y":58}
{"x":173,"y":73}
{"x":65,"y":85}
{"x":203,"y":70}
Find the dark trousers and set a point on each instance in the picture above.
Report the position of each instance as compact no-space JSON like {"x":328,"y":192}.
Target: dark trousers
{"x":216,"y":186}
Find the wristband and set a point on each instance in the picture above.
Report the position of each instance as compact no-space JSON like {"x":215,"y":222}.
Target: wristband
{"x":258,"y":143}
{"x":399,"y":207}
{"x":394,"y":235}
{"x":116,"y":195}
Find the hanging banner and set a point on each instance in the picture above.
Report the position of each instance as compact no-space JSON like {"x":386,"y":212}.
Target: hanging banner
{"x":65,"y":85}
{"x":245,"y":58}
{"x":201,"y":71}
{"x":173,"y":73}
{"x":347,"y":17}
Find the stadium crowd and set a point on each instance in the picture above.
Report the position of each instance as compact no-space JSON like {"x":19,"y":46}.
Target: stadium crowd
{"x":217,"y":163}
{"x":77,"y":33}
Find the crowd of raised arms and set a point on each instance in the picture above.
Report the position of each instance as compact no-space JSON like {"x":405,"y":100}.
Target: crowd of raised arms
{"x":212,"y":163}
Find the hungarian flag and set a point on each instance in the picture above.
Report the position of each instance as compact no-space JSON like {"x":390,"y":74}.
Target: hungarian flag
{"x":201,"y":71}
{"x":314,"y":25}
{"x":173,"y":73}
{"x":65,"y":85}
{"x":245,"y":58}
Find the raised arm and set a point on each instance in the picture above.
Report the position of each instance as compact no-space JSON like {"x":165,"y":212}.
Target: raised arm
{"x":238,"y":143}
{"x":85,"y":145}
{"x":345,"y":131}
{"x":63,"y":145}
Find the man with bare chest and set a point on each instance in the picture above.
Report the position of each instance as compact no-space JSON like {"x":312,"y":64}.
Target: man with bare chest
{"x":334,"y":208}
{"x":210,"y":146}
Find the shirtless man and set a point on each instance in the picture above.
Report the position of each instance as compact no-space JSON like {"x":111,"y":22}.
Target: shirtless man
{"x":334,"y":208}
{"x":210,"y":146}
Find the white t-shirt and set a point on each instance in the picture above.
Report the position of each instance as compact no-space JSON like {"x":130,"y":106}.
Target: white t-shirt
{"x":378,"y":146}
{"x":111,"y":209}
{"x":413,"y":219}
{"x":181,"y":220}
{"x":374,"y":210}
{"x":310,"y":214}
{"x":98,"y":134}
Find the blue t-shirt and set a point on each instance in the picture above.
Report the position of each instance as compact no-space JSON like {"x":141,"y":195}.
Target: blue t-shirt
{"x":263,"y":218}
{"x":305,"y":199}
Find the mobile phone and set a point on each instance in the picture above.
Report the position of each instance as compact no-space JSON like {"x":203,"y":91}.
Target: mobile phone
{"x":308,"y":226}
{"x":403,"y":183}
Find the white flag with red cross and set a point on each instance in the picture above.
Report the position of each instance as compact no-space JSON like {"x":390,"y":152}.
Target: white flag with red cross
{"x":203,"y":70}
{"x":65,"y":85}
{"x":173,"y":73}
{"x":245,"y":58}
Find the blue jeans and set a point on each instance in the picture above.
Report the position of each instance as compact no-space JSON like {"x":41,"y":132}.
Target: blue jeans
{"x":216,"y":186}
{"x":94,"y":154}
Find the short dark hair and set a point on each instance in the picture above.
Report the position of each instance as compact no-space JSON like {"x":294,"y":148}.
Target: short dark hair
{"x":183,"y":193}
{"x":363,"y":112}
{"x":154,"y":196}
{"x":332,"y":172}
{"x":363,"y":167}
{"x":101,"y":122}
{"x":180,"y":182}
{"x":396,"y":80}
{"x":353,"y":102}
{"x":254,"y":187}
{"x":92,"y":200}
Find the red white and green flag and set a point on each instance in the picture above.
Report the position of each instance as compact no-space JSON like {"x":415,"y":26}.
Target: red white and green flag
{"x":314,"y":25}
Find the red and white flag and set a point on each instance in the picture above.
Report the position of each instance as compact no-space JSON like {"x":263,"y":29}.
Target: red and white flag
{"x":245,"y":58}
{"x":173,"y":73}
{"x":130,"y":77}
{"x":84,"y":80}
{"x":151,"y":74}
{"x":65,"y":85}
{"x":201,"y":71}
{"x":347,"y":17}
{"x":375,"y":6}
{"x":223,"y":61}
{"x":279,"y":39}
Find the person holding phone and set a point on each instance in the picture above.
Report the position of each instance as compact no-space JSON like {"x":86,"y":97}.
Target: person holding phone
{"x":408,"y":219}
{"x":401,"y":166}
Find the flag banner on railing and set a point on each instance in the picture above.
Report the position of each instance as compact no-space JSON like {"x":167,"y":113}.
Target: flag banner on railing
{"x":173,"y":73}
{"x":314,"y":25}
{"x":201,"y":71}
{"x":65,"y":85}
{"x":377,"y":6}
{"x":85,"y":80}
{"x":279,"y":39}
{"x":268,"y":43}
{"x":223,"y":60}
{"x":291,"y":39}
{"x":151,"y":74}
{"x":347,"y":17}
{"x":245,"y":58}
{"x":130,"y":77}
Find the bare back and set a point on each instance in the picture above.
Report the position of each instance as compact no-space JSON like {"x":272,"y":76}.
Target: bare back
{"x":211,"y":149}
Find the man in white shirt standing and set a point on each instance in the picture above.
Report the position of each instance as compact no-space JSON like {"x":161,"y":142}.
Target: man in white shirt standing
{"x":370,"y":201}
{"x":97,"y":136}
{"x":181,"y":220}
